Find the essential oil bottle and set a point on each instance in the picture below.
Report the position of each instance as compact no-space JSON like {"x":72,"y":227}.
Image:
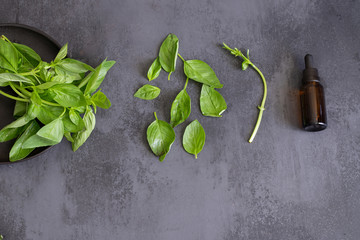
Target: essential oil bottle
{"x":312,"y":98}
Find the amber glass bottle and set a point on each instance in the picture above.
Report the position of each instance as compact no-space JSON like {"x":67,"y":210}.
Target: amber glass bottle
{"x":312,"y":98}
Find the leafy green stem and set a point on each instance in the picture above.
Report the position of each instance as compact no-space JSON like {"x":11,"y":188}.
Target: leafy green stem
{"x":236,"y":52}
{"x":50,"y":103}
{"x":12,"y":97}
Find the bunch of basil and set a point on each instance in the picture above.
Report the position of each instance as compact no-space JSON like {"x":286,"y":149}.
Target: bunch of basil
{"x":53,"y":99}
{"x":160,"y":134}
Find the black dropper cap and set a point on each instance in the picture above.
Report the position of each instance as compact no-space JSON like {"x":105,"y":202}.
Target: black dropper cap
{"x":310,"y":73}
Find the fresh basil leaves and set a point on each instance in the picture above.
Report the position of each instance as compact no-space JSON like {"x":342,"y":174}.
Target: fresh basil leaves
{"x":58,"y":95}
{"x":181,"y":107}
{"x":168,"y":53}
{"x":212,"y":103}
{"x":147,"y":92}
{"x":160,"y":136}
{"x":194,"y":138}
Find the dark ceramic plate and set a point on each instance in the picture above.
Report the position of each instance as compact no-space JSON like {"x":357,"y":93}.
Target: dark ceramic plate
{"x":47,"y":48}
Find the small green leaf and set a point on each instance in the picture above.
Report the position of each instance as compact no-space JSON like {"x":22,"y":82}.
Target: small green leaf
{"x":28,"y":54}
{"x":74,"y":66}
{"x":82,"y":136}
{"x":201,"y":72}
{"x":48,"y":135}
{"x":211,"y":102}
{"x":20,"y":109}
{"x":180,"y":108}
{"x":98,"y":76}
{"x":49,"y":113}
{"x":47,"y":85}
{"x":74,"y":123}
{"x":168,"y":53}
{"x":34,"y":106}
{"x":100,"y":99}
{"x":22,"y":121}
{"x":154,"y":70}
{"x":194,"y":138}
{"x":62,"y":53}
{"x":147,"y":92}
{"x":5,"y":78}
{"x":68,"y":137}
{"x":160,"y":136}
{"x":7,"y":134}
{"x":18,"y":152}
{"x":244,"y":65}
{"x":67,"y":95}
{"x":9,"y":57}
{"x":64,"y":76}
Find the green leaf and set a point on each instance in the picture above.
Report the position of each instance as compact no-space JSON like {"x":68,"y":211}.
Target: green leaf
{"x":22,"y":121}
{"x":160,"y":136}
{"x":100,"y":99}
{"x":154,"y":70}
{"x":5,"y":78}
{"x":49,"y":113}
{"x":47,"y":85}
{"x":48,"y":135}
{"x":28,"y":54}
{"x":147,"y":92}
{"x":244,"y":65}
{"x":75,"y":124}
{"x":201,"y":72}
{"x":168,"y":53}
{"x":69,"y":137}
{"x":74,"y":66}
{"x":9,"y":57}
{"x":67,"y":95}
{"x":211,"y":102}
{"x":7,"y":134}
{"x":194,"y":138}
{"x":180,"y":108}
{"x":20,"y":109}
{"x":64,"y":76}
{"x":18,"y":152}
{"x":62,"y":53}
{"x":98,"y":76}
{"x":82,"y":136}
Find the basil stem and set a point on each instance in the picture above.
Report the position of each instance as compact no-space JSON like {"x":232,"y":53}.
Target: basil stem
{"x":236,"y":52}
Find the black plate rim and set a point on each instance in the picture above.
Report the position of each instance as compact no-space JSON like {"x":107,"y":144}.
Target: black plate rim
{"x":45,"y":35}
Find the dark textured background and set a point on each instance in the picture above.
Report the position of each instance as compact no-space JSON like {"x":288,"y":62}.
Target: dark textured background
{"x":288,"y":184}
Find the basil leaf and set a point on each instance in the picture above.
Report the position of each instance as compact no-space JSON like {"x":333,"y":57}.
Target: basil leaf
{"x":211,"y":102}
{"x":154,"y":70}
{"x":5,"y":78}
{"x":18,"y":152}
{"x":64,"y":76}
{"x":147,"y":92}
{"x":49,"y":113}
{"x":67,"y":95}
{"x":100,"y":99}
{"x":80,"y":137}
{"x":74,"y":66}
{"x":62,"y":53}
{"x":28,"y":54}
{"x":35,"y":105}
{"x":47,"y":85}
{"x":48,"y":135}
{"x":68,"y":137}
{"x":98,"y":76}
{"x":7,"y":134}
{"x":180,"y":108}
{"x":168,"y":53}
{"x":194,"y":138}
{"x":76,"y":122}
{"x":22,"y":121}
{"x":160,"y":136}
{"x":9,"y":57}
{"x":201,"y":72}
{"x":20,"y":109}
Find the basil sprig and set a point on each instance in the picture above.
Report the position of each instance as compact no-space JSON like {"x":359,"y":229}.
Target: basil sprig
{"x":50,"y":98}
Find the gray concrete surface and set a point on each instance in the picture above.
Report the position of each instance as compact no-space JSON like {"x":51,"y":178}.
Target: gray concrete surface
{"x":288,"y":184}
